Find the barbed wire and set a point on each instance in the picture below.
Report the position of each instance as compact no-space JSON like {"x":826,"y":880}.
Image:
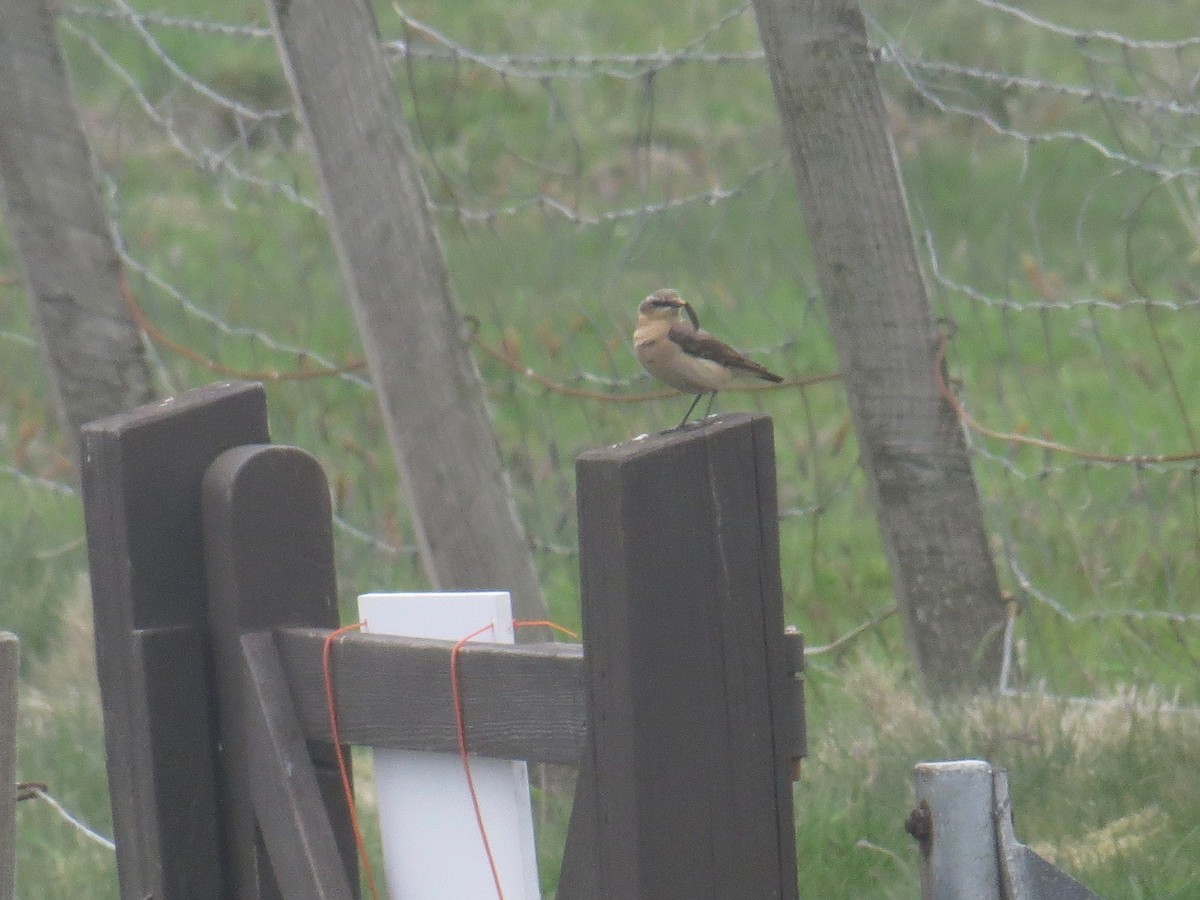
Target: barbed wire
{"x":1139,"y":126}
{"x":30,"y":790}
{"x":845,"y":639}
{"x":969,"y":421}
{"x":635,"y":66}
{"x":205,"y":159}
{"x":623,"y":66}
{"x":891,"y":54}
{"x":21,"y":340}
{"x":163,"y":20}
{"x":1082,"y":37}
{"x":1029,"y":138}
{"x":1010,"y":304}
{"x":27,"y":478}
{"x":219,"y":99}
{"x":628,"y":67}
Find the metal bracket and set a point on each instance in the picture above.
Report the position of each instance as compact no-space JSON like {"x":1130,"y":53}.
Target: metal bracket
{"x":963,"y":824}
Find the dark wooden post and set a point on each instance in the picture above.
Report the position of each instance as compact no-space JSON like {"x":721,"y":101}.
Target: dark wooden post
{"x":142,"y":472}
{"x":268,"y":543}
{"x":689,"y":679}
{"x":10,"y":668}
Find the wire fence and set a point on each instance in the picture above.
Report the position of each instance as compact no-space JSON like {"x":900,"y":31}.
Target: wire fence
{"x":1051,"y":168}
{"x":31,"y":790}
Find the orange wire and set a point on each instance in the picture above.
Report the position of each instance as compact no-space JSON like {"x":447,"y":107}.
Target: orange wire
{"x":505,"y":359}
{"x":1136,"y":459}
{"x":343,"y":769}
{"x":162,"y":339}
{"x":543,"y":623}
{"x":460,"y":726}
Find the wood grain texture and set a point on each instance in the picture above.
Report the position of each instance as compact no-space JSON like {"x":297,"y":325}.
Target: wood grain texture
{"x":413,"y":334}
{"x":268,"y":550}
{"x":285,"y":795}
{"x":688,"y":677}
{"x":524,"y":701}
{"x":580,"y":876}
{"x":911,"y":444}
{"x":521,"y":701}
{"x":170,"y":666}
{"x":90,"y":346}
{"x":10,"y":669}
{"x":142,"y":471}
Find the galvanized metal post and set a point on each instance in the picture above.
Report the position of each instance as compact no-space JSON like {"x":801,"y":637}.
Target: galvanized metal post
{"x":958,"y":859}
{"x":1025,"y":875}
{"x":963,"y":824}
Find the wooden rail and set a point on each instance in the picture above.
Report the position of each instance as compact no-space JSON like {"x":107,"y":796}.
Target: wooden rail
{"x":212,"y":563}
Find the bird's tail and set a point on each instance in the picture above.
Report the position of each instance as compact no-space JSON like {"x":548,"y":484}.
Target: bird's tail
{"x":752,"y":368}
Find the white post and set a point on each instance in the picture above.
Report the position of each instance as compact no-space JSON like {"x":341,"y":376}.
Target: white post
{"x":432,"y":846}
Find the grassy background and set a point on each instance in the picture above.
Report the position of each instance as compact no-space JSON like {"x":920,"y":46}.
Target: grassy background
{"x":1032,"y":226}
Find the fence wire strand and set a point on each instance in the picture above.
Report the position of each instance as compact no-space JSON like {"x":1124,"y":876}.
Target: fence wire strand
{"x":1050,"y":166}
{"x":40,"y":792}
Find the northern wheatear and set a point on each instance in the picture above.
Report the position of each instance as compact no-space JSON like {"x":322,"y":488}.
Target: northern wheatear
{"x":683,"y":354}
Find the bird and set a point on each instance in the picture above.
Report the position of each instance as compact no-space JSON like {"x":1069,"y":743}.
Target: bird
{"x":682,"y":354}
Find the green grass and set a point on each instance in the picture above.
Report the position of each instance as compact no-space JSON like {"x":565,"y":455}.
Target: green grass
{"x":1106,"y":792}
{"x":1037,"y":224}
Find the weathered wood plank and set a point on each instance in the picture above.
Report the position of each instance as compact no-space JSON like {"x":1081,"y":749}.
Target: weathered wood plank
{"x":141,"y":496}
{"x":910,"y":442}
{"x":10,"y":669}
{"x":579,"y":877}
{"x":170,"y":668}
{"x":687,"y":673}
{"x":467,"y":527}
{"x":90,"y":346}
{"x":287,"y":800}
{"x":268,"y":547}
{"x":521,"y":701}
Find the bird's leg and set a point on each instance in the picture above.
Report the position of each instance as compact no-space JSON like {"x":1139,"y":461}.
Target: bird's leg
{"x":708,"y":409}
{"x":689,"y":412}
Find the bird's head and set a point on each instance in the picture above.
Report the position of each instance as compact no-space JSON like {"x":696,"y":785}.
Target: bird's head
{"x":665,"y":305}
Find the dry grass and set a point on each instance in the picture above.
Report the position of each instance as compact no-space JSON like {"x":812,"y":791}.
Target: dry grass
{"x":1100,"y":787}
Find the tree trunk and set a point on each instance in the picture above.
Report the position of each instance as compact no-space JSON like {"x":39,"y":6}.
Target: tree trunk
{"x":911,"y":444}
{"x":395,"y":275}
{"x":91,"y":347}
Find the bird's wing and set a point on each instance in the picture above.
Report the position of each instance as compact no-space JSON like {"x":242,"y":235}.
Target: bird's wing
{"x":699,"y":343}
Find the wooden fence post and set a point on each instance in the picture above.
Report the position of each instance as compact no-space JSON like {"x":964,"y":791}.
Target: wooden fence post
{"x":688,"y":675}
{"x":142,"y":473}
{"x":429,"y":389}
{"x":91,"y":348}
{"x":268,"y":542}
{"x":910,"y":441}
{"x":10,"y":669}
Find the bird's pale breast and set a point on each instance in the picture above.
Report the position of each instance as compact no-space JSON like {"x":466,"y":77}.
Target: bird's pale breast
{"x":662,"y":358}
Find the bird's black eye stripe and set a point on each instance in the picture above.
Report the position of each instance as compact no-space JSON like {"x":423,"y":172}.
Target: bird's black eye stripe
{"x":659,"y":301}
